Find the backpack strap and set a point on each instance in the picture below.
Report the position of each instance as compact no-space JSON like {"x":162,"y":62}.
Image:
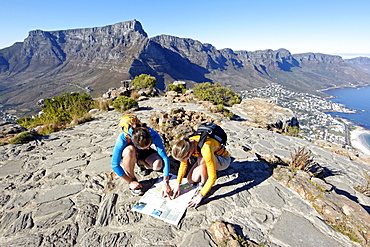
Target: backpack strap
{"x":202,"y":139}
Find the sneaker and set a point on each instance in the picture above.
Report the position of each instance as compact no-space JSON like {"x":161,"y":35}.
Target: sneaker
{"x":137,"y":192}
{"x":145,"y":172}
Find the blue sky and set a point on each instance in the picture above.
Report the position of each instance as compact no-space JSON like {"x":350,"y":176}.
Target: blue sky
{"x":321,"y":26}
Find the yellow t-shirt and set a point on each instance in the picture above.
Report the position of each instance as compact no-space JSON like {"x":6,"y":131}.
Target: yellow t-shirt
{"x":208,"y":151}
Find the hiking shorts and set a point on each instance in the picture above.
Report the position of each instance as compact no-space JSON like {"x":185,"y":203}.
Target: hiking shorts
{"x":142,"y":154}
{"x":222,"y":162}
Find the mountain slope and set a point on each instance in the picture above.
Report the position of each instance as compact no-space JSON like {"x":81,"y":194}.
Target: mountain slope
{"x":360,"y":63}
{"x":49,"y":63}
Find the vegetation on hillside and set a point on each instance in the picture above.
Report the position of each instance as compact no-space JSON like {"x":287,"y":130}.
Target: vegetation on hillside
{"x":144,"y":81}
{"x":176,"y":87}
{"x":60,"y":112}
{"x":123,"y":103}
{"x":24,"y":137}
{"x":216,"y":94}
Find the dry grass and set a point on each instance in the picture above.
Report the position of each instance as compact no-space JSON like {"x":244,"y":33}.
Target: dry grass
{"x":103,"y":104}
{"x":134,"y":94}
{"x":301,"y":159}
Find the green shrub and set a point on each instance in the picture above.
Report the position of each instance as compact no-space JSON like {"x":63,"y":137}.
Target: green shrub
{"x":23,"y":137}
{"x":293,"y":131}
{"x":144,"y":81}
{"x":221,"y":109}
{"x":28,"y":122}
{"x":177,"y":88}
{"x":59,"y":111}
{"x":216,"y":94}
{"x":123,"y":103}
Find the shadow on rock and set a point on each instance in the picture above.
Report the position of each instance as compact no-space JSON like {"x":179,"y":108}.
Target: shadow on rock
{"x":248,"y":174}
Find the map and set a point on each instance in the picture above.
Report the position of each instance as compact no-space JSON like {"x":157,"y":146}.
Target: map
{"x":171,"y":211}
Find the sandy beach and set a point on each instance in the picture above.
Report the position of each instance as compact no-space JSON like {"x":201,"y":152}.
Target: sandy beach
{"x":357,"y":140}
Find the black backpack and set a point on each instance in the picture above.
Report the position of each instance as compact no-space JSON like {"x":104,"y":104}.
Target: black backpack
{"x":212,"y":130}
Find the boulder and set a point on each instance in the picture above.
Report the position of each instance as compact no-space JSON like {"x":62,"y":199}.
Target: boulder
{"x":9,"y":128}
{"x":269,"y":115}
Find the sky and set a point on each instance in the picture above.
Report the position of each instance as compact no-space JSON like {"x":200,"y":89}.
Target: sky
{"x":334,"y":27}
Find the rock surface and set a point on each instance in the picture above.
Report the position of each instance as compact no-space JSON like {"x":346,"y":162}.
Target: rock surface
{"x":61,"y":191}
{"x":267,"y":115}
{"x":9,"y":129}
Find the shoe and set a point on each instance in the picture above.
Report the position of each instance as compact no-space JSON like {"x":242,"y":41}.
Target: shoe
{"x":137,"y":192}
{"x":145,"y":172}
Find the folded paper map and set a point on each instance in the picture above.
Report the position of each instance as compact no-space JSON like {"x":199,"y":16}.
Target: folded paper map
{"x":171,"y":211}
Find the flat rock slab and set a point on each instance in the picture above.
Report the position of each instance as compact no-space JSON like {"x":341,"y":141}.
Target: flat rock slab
{"x":60,"y":191}
{"x":295,"y":230}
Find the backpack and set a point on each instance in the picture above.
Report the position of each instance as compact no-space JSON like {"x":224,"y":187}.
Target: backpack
{"x":125,"y":123}
{"x":212,"y":130}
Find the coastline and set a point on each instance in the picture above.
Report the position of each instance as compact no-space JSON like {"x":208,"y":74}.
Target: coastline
{"x":357,"y":139}
{"x":342,"y":87}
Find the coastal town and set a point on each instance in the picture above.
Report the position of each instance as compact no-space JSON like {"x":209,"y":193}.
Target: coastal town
{"x":311,"y":111}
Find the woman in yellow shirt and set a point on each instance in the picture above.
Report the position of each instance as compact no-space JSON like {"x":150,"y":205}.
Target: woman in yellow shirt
{"x":212,"y":157}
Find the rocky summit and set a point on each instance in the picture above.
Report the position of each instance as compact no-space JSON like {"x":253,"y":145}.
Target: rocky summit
{"x":60,"y":191}
{"x":48,"y":63}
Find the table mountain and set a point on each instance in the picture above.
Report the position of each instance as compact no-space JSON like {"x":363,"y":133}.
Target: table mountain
{"x":48,"y":63}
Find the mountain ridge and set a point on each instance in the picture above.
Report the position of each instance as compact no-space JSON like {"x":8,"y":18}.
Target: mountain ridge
{"x":49,"y":63}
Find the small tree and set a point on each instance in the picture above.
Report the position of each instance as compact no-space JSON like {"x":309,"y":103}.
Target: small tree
{"x":216,"y":94}
{"x":144,"y":81}
{"x":123,"y":103}
{"x":59,"y":111}
{"x":177,"y":88}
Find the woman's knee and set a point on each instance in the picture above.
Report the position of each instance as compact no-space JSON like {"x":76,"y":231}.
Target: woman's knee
{"x":129,"y":151}
{"x":194,"y":175}
{"x":157,"y":164}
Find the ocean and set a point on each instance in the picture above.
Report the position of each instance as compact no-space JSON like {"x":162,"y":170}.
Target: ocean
{"x":357,"y":99}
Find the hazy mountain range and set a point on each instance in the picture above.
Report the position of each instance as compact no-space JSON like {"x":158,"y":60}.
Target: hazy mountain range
{"x":48,"y":63}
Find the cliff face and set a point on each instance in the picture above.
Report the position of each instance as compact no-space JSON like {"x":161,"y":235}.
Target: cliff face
{"x":49,"y":63}
{"x":101,"y":47}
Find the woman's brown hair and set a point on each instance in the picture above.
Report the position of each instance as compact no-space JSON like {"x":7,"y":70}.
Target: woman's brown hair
{"x":181,"y":149}
{"x":141,"y":135}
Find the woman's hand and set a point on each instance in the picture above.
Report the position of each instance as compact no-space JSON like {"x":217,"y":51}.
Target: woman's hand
{"x":134,"y":185}
{"x":195,"y":201}
{"x":166,"y":190}
{"x":176,"y":191}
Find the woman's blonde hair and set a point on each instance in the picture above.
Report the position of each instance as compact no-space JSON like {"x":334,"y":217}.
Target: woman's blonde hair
{"x":181,"y":149}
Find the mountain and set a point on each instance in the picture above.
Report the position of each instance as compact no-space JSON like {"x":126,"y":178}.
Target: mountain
{"x":360,"y":63}
{"x":48,"y":63}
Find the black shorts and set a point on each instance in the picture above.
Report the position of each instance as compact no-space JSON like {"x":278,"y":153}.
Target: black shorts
{"x":142,"y":154}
